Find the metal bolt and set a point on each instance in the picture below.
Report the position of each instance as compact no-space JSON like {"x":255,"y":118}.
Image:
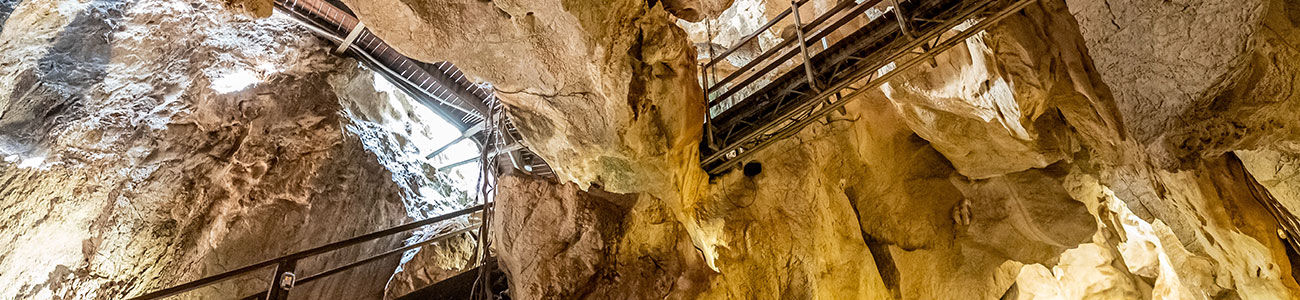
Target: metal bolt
{"x":286,"y":280}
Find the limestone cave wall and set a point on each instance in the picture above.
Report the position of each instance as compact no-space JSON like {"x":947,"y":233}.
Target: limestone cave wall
{"x":145,"y":144}
{"x":1079,"y":149}
{"x":1116,"y":149}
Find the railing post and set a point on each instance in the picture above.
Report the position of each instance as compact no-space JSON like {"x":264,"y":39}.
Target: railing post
{"x":803,"y":47}
{"x":708,"y":78}
{"x":709,"y":72}
{"x":902,"y":24}
{"x":708,"y":123}
{"x":902,"y":21}
{"x":283,"y":281}
{"x":708,"y":111}
{"x":703,"y":83}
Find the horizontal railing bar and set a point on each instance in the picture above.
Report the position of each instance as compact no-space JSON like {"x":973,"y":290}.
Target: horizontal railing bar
{"x":336,"y":270}
{"x":430,"y":241}
{"x":459,"y":163}
{"x":380,"y":234}
{"x":752,"y":63}
{"x":751,"y":37}
{"x":303,"y":254}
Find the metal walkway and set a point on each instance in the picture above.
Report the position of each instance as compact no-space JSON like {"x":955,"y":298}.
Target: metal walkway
{"x":440,"y":86}
{"x":742,"y":122}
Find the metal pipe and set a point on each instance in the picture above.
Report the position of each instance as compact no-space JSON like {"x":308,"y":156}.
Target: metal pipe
{"x":352,"y":37}
{"x":902,"y":24}
{"x":708,"y":31}
{"x":459,"y":163}
{"x":703,"y":83}
{"x":803,"y":48}
{"x":463,"y":135}
{"x":346,"y":267}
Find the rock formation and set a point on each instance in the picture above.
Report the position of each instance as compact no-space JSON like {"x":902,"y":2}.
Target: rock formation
{"x":150,"y":143}
{"x":1076,"y":150}
{"x":1034,"y":133}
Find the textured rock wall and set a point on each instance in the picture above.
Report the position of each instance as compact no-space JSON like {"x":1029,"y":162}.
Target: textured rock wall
{"x":135,"y":158}
{"x":1198,"y":77}
{"x":590,"y":84}
{"x":603,"y":90}
{"x":1048,"y":95}
{"x":400,"y":132}
{"x":1074,"y":151}
{"x":1278,"y":170}
{"x":558,"y":242}
{"x":1001,"y":102}
{"x":865,"y":208}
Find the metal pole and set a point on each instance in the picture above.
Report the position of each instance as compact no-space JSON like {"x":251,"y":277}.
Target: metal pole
{"x":803,"y":47}
{"x":463,"y":135}
{"x":459,"y":163}
{"x":902,"y":21}
{"x":708,"y":122}
{"x":709,"y":76}
{"x":703,"y":84}
{"x":710,"y":72}
{"x":902,"y":24}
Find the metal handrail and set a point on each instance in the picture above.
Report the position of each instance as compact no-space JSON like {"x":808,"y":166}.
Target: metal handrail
{"x":751,"y":37}
{"x":763,"y":58}
{"x":293,"y":258}
{"x":336,"y":270}
{"x":813,"y":114}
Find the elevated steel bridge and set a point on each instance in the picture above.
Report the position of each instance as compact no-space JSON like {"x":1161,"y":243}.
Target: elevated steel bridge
{"x":742,"y":122}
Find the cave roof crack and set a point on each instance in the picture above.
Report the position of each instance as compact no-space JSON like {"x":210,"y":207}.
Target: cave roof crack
{"x":546,"y":95}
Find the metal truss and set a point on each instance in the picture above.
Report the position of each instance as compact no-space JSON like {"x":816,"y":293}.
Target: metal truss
{"x":844,"y":71}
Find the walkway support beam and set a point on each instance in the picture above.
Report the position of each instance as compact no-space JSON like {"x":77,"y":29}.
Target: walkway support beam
{"x":803,"y":48}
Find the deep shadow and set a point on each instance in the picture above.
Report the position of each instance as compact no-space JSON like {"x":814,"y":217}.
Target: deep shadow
{"x":7,"y":8}
{"x":81,"y":52}
{"x":51,"y":93}
{"x":465,"y":285}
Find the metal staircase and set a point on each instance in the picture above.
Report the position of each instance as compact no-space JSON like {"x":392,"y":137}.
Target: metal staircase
{"x":827,"y":80}
{"x":439,"y":86}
